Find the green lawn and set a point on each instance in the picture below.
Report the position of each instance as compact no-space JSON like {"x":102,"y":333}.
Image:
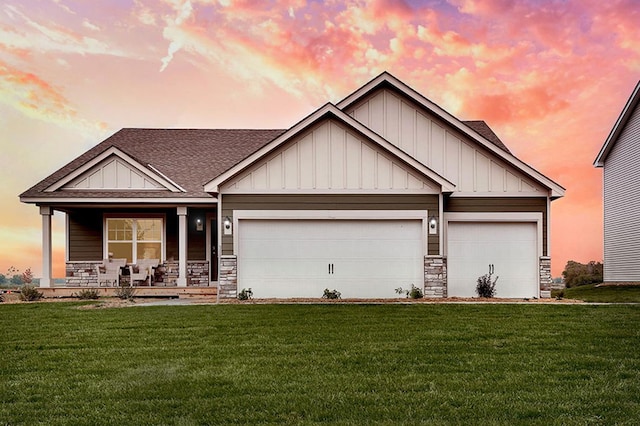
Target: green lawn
{"x":603,"y":294}
{"x":309,"y":364}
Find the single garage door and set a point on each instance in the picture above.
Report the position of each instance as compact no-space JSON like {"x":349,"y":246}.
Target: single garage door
{"x":510,"y":247}
{"x":300,"y":258}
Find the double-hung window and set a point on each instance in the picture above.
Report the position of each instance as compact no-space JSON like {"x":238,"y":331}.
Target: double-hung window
{"x":135,"y":238}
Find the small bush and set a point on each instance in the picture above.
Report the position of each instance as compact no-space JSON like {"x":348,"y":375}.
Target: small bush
{"x":29,"y":293}
{"x":1,"y":298}
{"x":125,"y":292}
{"x":88,"y":294}
{"x":245,"y":294}
{"x":485,"y":287}
{"x":331,"y":294}
{"x":413,"y":293}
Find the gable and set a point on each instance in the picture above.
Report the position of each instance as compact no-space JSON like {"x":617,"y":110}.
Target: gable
{"x":112,"y":173}
{"x":330,"y":157}
{"x":447,"y":151}
{"x":114,"y":170}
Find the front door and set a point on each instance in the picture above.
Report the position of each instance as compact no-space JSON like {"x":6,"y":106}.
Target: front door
{"x":212,"y":248}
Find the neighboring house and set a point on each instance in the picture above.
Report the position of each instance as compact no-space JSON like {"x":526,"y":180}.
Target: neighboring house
{"x":620,"y":160}
{"x":383,"y":190}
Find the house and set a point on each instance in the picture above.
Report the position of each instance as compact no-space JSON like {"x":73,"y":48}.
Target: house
{"x":620,"y":161}
{"x":382,"y":190}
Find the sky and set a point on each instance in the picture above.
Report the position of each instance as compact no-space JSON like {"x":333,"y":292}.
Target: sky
{"x":549,"y":77}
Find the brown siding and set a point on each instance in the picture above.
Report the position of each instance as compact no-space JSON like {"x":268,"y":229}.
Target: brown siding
{"x":329,"y":202}
{"x":196,"y":240}
{"x":501,"y":204}
{"x":85,"y":236}
{"x":86,"y":226}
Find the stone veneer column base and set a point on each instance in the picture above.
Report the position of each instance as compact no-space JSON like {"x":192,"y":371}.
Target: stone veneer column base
{"x":545,"y":277}
{"x":228,"y":277}
{"x":435,"y":276}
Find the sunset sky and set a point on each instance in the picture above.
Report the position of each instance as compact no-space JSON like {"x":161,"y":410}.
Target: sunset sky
{"x":550,"y":78}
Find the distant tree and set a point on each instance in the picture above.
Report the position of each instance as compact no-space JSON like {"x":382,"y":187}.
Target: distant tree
{"x":576,"y":273}
{"x":16,"y":279}
{"x":27,"y":276}
{"x":3,"y":279}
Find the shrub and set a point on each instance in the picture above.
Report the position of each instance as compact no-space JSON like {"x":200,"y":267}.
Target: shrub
{"x":1,"y":298}
{"x":485,"y":287}
{"x":29,"y":293}
{"x":245,"y":294}
{"x":331,"y":294}
{"x":576,"y":273}
{"x":88,"y":294}
{"x":413,"y":293}
{"x":125,"y":292}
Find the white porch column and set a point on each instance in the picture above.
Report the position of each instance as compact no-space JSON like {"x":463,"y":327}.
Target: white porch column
{"x":182,"y":246}
{"x":46,"y":212}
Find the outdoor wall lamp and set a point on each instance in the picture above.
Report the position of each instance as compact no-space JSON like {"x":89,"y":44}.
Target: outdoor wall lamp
{"x":199,"y":225}
{"x":433,"y":225}
{"x":227,"y":225}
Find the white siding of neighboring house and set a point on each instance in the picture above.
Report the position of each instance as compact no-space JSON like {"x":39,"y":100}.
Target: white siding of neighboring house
{"x":459,"y":160}
{"x":622,"y":205}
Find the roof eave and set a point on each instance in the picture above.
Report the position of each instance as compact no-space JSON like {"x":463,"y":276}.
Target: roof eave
{"x":624,"y":116}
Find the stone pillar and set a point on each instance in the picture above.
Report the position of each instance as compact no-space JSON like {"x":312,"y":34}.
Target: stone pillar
{"x":545,"y":277}
{"x":182,"y":247}
{"x":228,"y":277}
{"x":46,"y":213}
{"x":435,"y":276}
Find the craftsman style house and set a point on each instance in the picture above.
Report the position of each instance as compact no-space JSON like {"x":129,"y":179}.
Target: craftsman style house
{"x":382,"y":190}
{"x":620,"y":160}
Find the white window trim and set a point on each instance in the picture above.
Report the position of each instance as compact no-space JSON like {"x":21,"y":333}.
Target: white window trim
{"x":105,"y":235}
{"x":422,"y":215}
{"x":509,"y":217}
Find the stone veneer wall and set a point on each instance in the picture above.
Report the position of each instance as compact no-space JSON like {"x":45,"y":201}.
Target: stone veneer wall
{"x":228,"y":277}
{"x":545,"y":277}
{"x":435,"y":276}
{"x":81,"y":274}
{"x":198,"y":273}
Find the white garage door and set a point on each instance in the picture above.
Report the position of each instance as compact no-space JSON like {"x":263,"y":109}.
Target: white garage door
{"x":300,"y":258}
{"x":510,"y":247}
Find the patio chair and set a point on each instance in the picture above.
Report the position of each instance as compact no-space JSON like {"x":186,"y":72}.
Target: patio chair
{"x":143,"y":270}
{"x":109,"y":271}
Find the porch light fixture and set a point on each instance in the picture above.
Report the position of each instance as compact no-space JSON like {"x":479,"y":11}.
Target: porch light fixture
{"x":227,"y":225}
{"x":199,"y":225}
{"x":433,"y":225}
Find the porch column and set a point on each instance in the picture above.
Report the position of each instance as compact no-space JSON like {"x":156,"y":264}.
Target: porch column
{"x":46,"y":213}
{"x":182,"y":246}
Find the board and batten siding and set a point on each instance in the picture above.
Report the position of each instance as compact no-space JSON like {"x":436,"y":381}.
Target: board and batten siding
{"x":330,"y":157}
{"x":622,"y":205}
{"x":501,"y":205}
{"x":444,"y":150}
{"x":231,"y":202}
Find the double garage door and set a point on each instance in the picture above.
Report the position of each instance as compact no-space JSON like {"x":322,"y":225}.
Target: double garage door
{"x":301,"y":258}
{"x":371,"y":258}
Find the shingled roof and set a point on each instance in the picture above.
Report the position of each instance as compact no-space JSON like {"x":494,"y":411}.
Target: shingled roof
{"x":485,"y":131}
{"x":189,"y":157}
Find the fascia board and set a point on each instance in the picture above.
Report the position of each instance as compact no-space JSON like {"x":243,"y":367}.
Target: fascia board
{"x":624,"y":116}
{"x":168,"y":184}
{"x":115,"y":201}
{"x":556,"y":189}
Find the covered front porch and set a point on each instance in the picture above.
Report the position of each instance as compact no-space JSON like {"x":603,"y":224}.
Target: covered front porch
{"x":179,"y":245}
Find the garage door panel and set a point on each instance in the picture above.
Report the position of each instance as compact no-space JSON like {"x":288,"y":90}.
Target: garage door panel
{"x":290,"y":258}
{"x":510,"y":247}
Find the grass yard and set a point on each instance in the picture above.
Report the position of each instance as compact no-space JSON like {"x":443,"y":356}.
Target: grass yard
{"x":311,"y":364}
{"x":603,"y":294}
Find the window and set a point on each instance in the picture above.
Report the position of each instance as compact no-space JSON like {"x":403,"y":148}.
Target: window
{"x":139,"y":238}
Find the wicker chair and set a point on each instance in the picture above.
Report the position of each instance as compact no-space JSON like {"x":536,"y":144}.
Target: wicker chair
{"x":143,"y":270}
{"x":109,"y":271}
